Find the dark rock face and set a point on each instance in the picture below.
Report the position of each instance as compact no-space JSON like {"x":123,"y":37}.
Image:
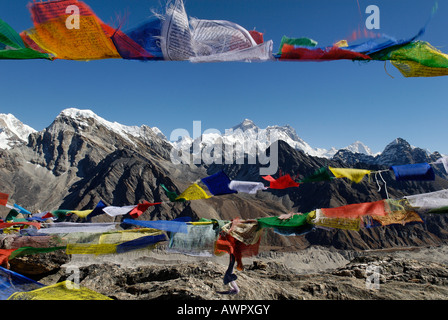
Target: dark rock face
{"x":38,"y":266}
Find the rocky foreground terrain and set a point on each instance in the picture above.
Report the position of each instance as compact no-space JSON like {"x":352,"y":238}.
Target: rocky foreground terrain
{"x":316,"y":273}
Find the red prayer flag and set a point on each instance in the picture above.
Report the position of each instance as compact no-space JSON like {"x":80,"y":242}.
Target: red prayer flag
{"x":292,"y":52}
{"x":11,"y":224}
{"x":4,"y":199}
{"x":228,"y":244}
{"x":140,"y":208}
{"x":377,"y":208}
{"x":257,"y":36}
{"x":281,"y":183}
{"x":4,"y":256}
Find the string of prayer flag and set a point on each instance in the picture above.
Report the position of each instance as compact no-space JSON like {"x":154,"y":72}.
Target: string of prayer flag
{"x":60,"y":33}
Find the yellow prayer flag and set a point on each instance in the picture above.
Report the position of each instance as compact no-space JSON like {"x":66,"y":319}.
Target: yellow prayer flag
{"x":88,"y":43}
{"x":200,"y":223}
{"x":81,"y":214}
{"x":341,"y":44}
{"x":126,"y":235}
{"x":319,"y":219}
{"x":193,"y":192}
{"x":88,"y":248}
{"x":355,"y":175}
{"x":410,"y":69}
{"x":65,"y":290}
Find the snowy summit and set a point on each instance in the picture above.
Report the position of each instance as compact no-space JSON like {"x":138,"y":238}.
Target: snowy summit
{"x":13,"y":131}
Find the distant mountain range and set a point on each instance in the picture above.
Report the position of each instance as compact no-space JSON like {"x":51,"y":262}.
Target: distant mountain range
{"x":13,"y":132}
{"x":81,"y":158}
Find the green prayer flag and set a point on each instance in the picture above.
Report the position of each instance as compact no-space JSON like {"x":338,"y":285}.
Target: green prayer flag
{"x":60,"y":214}
{"x":321,"y":174}
{"x":9,"y":37}
{"x":421,"y":52}
{"x":171,"y":194}
{"x":303,"y":42}
{"x":15,"y":216}
{"x":31,"y":250}
{"x":13,"y":47}
{"x":297,"y":220}
{"x":439,"y":210}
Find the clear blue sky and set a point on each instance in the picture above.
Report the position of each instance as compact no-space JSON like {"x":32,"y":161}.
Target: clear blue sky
{"x":328,"y":103}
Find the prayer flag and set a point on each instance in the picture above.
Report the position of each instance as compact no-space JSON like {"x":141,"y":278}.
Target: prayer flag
{"x":4,"y":199}
{"x":218,"y":183}
{"x":283,"y":182}
{"x":355,"y":175}
{"x":22,"y":210}
{"x":300,"y":42}
{"x":444,"y":161}
{"x":296,"y":220}
{"x":357,"y":210}
{"x":246,"y":186}
{"x":425,"y":202}
{"x":414,"y":172}
{"x":171,"y":194}
{"x":141,"y":243}
{"x":128,"y":48}
{"x":98,"y":210}
{"x":82,"y":213}
{"x":65,"y":290}
{"x":320,"y":219}
{"x":171,"y":226}
{"x":147,"y":36}
{"x":11,"y":282}
{"x":90,"y":41}
{"x":13,"y":47}
{"x":141,"y":208}
{"x":420,"y":59}
{"x":114,"y":211}
{"x":292,"y":52}
{"x":4,"y":256}
{"x":321,"y":174}
{"x":193,"y":192}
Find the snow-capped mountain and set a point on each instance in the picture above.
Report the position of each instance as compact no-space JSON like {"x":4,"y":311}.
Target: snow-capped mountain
{"x":248,"y":133}
{"x":81,"y":117}
{"x":13,"y":131}
{"x":85,"y":122}
{"x":398,"y":152}
{"x":359,"y":147}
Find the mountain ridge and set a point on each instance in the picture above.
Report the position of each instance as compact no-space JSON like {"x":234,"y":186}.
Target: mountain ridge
{"x":246,"y":130}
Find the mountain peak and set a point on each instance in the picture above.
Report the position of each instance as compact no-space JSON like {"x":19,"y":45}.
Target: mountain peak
{"x":359,"y":147}
{"x":77,"y":113}
{"x":80,"y":115}
{"x":399,"y":141}
{"x":246,"y":124}
{"x":12,"y":131}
